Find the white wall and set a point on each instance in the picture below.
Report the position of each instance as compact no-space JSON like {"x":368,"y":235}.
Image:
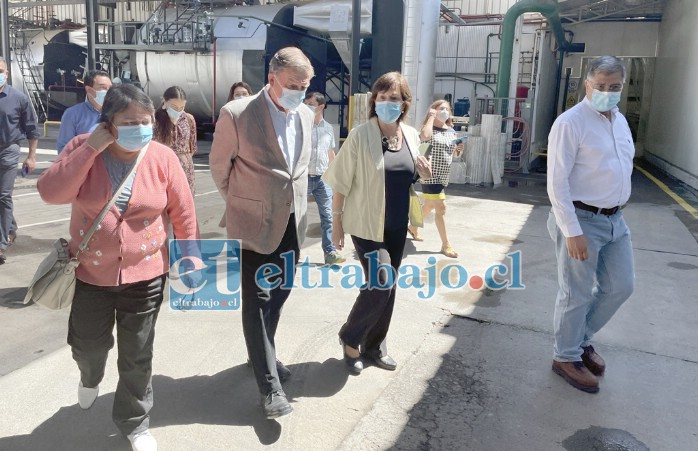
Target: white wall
{"x":612,"y":38}
{"x":671,"y":141}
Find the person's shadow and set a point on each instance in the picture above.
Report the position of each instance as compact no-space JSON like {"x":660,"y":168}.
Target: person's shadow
{"x":226,"y":398}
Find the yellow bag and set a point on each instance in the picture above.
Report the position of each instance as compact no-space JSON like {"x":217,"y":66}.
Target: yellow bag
{"x":416,"y":219}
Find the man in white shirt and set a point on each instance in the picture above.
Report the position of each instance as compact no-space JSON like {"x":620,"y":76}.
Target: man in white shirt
{"x":590,"y":161}
{"x":321,"y":156}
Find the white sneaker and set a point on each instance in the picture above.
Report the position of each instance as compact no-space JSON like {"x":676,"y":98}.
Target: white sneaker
{"x":143,"y":441}
{"x":87,"y":396}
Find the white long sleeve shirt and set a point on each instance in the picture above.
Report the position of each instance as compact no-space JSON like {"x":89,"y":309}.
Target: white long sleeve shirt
{"x":590,"y":159}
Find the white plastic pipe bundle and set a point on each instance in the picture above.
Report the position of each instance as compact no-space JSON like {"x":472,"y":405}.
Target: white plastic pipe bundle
{"x":457,"y":174}
{"x":361,"y":109}
{"x":491,"y":130}
{"x":474,"y":159}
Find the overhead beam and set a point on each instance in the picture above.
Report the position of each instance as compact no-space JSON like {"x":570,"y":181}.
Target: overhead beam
{"x":591,"y":13}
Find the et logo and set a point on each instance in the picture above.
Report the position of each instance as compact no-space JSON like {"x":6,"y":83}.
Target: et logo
{"x":205,"y":274}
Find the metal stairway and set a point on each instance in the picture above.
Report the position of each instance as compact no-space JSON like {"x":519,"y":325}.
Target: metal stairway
{"x":182,"y":28}
{"x":32,"y":78}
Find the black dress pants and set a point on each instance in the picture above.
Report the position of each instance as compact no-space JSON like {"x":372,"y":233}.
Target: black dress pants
{"x":369,"y":320}
{"x":261,"y":307}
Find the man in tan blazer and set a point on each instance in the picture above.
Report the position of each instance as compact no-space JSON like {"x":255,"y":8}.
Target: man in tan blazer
{"x":259,"y":162}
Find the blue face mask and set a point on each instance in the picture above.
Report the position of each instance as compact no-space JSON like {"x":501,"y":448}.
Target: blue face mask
{"x":99,"y":97}
{"x":134,"y":137}
{"x":174,"y":114}
{"x":388,"y":112}
{"x":291,"y":99}
{"x":604,"y":101}
{"x":3,"y":80}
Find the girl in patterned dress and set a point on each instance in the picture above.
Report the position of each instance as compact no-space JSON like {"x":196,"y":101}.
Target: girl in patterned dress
{"x":437,"y":130}
{"x":177,"y":129}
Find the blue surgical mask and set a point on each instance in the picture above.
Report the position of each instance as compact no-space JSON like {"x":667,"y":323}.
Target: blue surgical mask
{"x":312,"y":108}
{"x":99,"y":97}
{"x":134,"y":137}
{"x":174,"y":114}
{"x":291,"y":99}
{"x":604,"y":101}
{"x":3,"y":80}
{"x":388,"y":112}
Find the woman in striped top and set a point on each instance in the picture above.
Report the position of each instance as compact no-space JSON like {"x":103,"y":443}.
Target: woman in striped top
{"x":437,"y":130}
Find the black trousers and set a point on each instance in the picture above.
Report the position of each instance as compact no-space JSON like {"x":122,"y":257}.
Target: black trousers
{"x":261,"y":307}
{"x":369,"y":320}
{"x":134,"y":307}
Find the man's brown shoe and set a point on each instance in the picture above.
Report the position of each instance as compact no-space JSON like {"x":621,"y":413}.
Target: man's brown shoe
{"x":577,"y":375}
{"x":593,"y":361}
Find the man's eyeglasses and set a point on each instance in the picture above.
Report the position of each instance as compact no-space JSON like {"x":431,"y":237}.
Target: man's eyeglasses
{"x":612,"y":88}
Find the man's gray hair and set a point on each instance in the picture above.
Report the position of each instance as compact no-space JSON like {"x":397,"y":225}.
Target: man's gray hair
{"x":3,"y":60}
{"x":606,"y":65}
{"x":291,"y":58}
{"x":119,"y":98}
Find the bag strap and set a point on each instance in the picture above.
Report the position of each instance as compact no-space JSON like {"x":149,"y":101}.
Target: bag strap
{"x":111,"y":202}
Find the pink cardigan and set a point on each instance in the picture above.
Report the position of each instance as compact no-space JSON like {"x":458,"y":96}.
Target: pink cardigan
{"x":126,"y":248}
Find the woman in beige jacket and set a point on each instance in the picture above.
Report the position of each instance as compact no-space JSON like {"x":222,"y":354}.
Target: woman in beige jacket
{"x":372,"y":178}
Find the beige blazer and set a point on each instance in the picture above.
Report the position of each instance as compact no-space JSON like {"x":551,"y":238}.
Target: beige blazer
{"x":358,"y":172}
{"x":251,"y":174}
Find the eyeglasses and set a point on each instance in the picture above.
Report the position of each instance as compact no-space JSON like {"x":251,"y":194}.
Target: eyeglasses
{"x":612,"y":88}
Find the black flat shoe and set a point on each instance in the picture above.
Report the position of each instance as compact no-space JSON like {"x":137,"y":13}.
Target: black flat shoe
{"x":354,"y":364}
{"x":385,"y":362}
{"x":275,"y":405}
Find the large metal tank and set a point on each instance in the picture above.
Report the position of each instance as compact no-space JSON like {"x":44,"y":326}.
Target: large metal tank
{"x":241,"y":35}
{"x":53,"y":64}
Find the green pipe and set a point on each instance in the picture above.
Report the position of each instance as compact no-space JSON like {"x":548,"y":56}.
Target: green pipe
{"x":548,"y":9}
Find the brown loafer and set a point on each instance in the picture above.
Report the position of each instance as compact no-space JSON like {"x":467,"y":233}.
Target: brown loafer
{"x":593,"y":361}
{"x":577,"y":375}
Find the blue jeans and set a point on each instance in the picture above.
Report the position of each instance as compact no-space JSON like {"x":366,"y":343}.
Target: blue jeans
{"x":322,"y":193}
{"x":591,"y":291}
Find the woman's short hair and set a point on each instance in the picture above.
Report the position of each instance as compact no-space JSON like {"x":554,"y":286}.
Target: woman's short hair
{"x":386,"y":82}
{"x":291,"y":58}
{"x":240,"y":84}
{"x":435,"y":106}
{"x":119,"y":98}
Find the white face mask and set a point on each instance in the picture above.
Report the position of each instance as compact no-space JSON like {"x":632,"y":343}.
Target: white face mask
{"x":443,"y":115}
{"x":604,"y":101}
{"x":290,"y":98}
{"x":174,"y":114}
{"x":99,"y":97}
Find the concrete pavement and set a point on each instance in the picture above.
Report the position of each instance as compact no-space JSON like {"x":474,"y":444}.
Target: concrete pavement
{"x":474,"y":366}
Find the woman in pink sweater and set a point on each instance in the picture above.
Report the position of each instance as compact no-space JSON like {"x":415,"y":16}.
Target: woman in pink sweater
{"x":122,"y":272}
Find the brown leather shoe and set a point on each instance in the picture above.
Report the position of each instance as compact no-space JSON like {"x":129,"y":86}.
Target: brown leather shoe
{"x":593,"y":361}
{"x":577,"y":375}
